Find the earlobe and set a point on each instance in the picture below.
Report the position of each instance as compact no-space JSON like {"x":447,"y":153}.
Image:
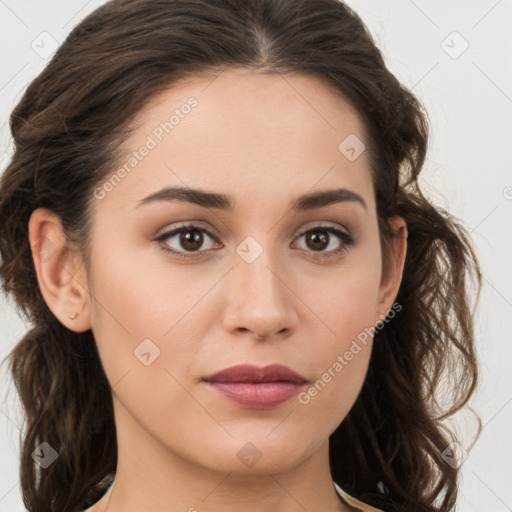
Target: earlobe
{"x":59,"y":269}
{"x":392,"y":276}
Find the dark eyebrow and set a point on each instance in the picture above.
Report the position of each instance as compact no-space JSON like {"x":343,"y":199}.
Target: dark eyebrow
{"x":327,"y":197}
{"x":220,"y":201}
{"x":190,"y":195}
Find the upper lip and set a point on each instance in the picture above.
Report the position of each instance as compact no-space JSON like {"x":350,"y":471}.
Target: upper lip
{"x":251,"y":373}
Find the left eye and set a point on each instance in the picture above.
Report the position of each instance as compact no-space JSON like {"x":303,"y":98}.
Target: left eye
{"x":319,"y":239}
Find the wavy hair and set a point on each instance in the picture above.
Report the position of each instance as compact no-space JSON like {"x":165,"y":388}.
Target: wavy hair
{"x":67,"y":130}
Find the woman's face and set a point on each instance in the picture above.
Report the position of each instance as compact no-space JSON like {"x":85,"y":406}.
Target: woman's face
{"x":245,"y":285}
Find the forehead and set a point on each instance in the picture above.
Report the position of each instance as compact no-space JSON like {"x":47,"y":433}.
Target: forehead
{"x":242,"y":131}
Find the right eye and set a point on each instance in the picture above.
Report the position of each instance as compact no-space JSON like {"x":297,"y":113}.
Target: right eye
{"x":190,"y":237}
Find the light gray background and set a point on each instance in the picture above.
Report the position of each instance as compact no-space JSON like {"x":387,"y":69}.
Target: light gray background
{"x":468,"y":95}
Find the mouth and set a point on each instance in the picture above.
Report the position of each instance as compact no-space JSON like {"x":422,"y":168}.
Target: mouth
{"x":256,"y":388}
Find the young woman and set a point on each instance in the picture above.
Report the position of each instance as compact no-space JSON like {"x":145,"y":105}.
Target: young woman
{"x":240,"y":296}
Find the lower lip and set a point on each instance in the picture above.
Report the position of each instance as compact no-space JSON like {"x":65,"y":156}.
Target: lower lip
{"x":253,"y":395}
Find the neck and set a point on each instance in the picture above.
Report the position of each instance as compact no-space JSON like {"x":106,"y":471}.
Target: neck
{"x":150,"y":477}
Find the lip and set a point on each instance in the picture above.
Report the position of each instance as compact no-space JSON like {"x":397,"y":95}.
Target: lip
{"x":256,"y":387}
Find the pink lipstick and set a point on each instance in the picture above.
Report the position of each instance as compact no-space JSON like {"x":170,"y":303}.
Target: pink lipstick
{"x":257,"y":388}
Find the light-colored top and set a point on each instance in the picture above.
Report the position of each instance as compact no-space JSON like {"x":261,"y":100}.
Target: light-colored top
{"x":358,"y":505}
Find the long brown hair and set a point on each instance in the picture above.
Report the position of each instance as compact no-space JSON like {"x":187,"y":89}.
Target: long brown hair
{"x":67,"y":131}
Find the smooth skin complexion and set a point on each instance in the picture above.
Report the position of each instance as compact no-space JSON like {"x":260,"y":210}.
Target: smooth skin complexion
{"x":262,"y":140}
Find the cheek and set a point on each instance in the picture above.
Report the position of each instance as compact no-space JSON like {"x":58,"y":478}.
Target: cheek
{"x":345,"y":298}
{"x":136,"y":311}
{"x":139,"y":296}
{"x":344,"y":305}
{"x":144,"y":340}
{"x":340,"y":363}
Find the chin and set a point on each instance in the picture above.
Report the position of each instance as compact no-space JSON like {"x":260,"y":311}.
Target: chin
{"x":255,"y":455}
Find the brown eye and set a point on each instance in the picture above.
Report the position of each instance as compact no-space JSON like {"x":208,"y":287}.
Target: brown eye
{"x":317,"y":240}
{"x":187,"y":239}
{"x":191,"y":240}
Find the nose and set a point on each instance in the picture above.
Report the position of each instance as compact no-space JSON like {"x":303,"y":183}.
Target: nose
{"x":260,"y":300}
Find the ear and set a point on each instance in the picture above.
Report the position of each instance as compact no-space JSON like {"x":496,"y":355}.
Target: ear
{"x":392,"y":276}
{"x":60,"y":271}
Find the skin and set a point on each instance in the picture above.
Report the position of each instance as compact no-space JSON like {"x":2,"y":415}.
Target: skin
{"x":264,"y":140}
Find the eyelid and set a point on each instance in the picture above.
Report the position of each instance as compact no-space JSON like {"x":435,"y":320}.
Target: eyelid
{"x":326,"y":225}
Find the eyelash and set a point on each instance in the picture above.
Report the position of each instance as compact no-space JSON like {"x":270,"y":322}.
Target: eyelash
{"x":348,"y":241}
